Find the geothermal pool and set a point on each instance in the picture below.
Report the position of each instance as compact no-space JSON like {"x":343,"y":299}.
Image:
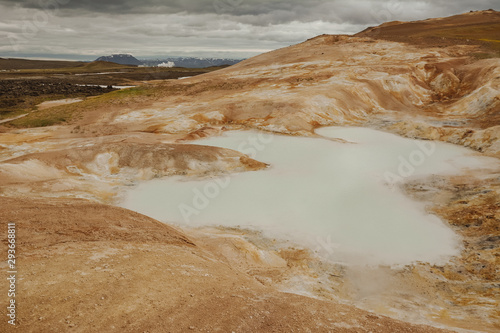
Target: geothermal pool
{"x":338,"y":198}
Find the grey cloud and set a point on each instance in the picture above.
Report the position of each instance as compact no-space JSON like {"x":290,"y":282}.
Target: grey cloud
{"x":151,"y":27}
{"x":263,"y":12}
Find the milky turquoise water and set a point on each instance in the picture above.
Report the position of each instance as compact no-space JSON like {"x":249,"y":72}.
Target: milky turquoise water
{"x":339,"y":199}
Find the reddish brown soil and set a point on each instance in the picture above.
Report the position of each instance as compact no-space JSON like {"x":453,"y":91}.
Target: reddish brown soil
{"x":86,"y":267}
{"x":474,"y":28}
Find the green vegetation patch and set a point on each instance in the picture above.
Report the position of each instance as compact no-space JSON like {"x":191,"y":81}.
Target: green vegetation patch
{"x":70,"y":112}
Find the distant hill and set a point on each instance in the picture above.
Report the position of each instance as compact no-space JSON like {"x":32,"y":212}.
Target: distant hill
{"x":61,"y":66}
{"x":105,"y":65}
{"x":191,"y":62}
{"x":14,"y":63}
{"x":122,"y":59}
{"x":475,"y":27}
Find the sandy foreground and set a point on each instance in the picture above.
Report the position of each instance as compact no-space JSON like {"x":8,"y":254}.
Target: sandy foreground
{"x":86,"y":267}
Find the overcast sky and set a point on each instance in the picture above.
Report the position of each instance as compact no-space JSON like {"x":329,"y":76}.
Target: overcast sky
{"x":86,"y":29}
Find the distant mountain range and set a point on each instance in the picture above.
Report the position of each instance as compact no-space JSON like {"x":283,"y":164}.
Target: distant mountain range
{"x":188,"y":62}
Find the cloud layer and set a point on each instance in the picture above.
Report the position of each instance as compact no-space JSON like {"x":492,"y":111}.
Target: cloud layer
{"x":235,"y":28}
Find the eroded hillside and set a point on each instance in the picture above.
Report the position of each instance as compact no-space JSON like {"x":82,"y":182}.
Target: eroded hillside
{"x":438,"y":93}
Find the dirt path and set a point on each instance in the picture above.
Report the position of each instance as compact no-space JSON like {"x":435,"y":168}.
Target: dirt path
{"x":45,"y":105}
{"x":11,"y":119}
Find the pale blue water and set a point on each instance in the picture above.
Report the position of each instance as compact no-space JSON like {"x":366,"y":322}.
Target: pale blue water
{"x":336,"y":198}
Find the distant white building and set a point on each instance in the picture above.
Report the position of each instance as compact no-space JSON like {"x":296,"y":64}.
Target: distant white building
{"x":168,"y":64}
